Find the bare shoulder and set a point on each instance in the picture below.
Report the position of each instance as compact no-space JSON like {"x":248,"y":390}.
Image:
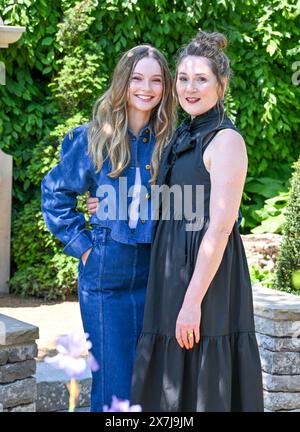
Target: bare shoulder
{"x":227,"y":145}
{"x":228,"y":139}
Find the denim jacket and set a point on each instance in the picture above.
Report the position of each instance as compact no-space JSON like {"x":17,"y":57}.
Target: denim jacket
{"x":76,"y":174}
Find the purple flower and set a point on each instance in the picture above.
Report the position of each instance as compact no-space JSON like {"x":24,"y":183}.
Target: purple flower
{"x":121,"y":405}
{"x":73,"y":344}
{"x":70,"y":347}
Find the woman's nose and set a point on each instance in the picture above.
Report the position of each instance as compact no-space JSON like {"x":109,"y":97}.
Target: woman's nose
{"x":145,"y":84}
{"x":191,"y":86}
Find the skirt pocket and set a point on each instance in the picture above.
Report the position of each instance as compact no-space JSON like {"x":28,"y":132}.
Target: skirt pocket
{"x":89,"y":274}
{"x":83,"y":267}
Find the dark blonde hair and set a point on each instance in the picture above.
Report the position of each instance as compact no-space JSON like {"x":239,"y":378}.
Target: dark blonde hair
{"x":108,"y":135}
{"x":209,"y":45}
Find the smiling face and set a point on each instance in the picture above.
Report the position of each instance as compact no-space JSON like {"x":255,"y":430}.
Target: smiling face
{"x":197,"y":86}
{"x":145,"y":88}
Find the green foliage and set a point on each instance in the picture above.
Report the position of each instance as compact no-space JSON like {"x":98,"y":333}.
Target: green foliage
{"x":261,"y":276}
{"x":77,"y":81}
{"x":63,"y":62}
{"x":42,"y":270}
{"x":46,"y":154}
{"x":272,"y":215}
{"x":264,"y":202}
{"x":288,"y":261}
{"x":296,"y":279}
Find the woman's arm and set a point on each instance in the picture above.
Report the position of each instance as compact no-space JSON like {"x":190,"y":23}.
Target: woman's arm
{"x":228,"y":170}
{"x":72,"y":176}
{"x":227,"y":160}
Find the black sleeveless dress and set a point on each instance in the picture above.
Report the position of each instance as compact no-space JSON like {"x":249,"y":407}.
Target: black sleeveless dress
{"x":223,"y":371}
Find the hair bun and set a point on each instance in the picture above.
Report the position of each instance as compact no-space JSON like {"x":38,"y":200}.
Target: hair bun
{"x":214,"y":39}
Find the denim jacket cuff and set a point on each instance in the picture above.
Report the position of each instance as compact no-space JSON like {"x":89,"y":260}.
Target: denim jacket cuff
{"x":79,"y":244}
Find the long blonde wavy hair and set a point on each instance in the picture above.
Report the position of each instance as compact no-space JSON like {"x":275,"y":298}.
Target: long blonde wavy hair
{"x":108,"y":136}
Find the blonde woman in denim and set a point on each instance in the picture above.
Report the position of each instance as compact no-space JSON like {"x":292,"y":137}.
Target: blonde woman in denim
{"x":132,"y":123}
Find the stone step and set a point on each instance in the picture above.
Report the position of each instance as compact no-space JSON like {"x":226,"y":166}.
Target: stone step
{"x":280,"y":363}
{"x":52,"y":392}
{"x":281,"y":383}
{"x":276,"y":306}
{"x":282,"y":401}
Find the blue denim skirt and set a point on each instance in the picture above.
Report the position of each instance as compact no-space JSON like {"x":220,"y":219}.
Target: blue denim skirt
{"x":111,"y":290}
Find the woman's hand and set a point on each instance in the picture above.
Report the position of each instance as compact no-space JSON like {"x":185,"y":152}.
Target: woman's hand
{"x":188,"y":324}
{"x":85,"y":256}
{"x":92,"y":204}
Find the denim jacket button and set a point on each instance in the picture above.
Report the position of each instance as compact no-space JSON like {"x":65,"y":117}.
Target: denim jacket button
{"x":148,"y":167}
{"x":143,"y":221}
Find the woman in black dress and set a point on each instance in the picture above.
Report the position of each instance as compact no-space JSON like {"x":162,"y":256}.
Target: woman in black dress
{"x":198,"y":350}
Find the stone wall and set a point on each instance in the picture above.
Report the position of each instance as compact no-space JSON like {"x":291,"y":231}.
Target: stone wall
{"x":18,"y":390}
{"x":277,"y":324}
{"x":52,"y":391}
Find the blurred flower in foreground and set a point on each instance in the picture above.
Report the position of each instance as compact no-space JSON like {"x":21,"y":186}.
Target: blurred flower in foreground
{"x":70,"y":347}
{"x":121,"y":405}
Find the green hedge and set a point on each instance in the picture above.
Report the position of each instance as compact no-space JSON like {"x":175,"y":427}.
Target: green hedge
{"x":63,"y":62}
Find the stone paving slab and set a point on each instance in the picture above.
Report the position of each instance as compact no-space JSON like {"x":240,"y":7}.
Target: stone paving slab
{"x":269,"y":304}
{"x":277,"y":401}
{"x":280,"y":363}
{"x":277,"y":328}
{"x":17,"y":371}
{"x":22,"y":408}
{"x":20,"y":392}
{"x":14,"y":331}
{"x":281,"y":383}
{"x":278,"y":344}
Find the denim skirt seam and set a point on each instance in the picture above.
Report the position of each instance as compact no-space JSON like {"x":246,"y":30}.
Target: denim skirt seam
{"x":133,"y":280}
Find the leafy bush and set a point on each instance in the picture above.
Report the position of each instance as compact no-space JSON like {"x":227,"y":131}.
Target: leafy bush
{"x":43,"y":271}
{"x":272,"y":215}
{"x":288,"y":262}
{"x":40,"y":265}
{"x":296,"y":279}
{"x":264,"y":202}
{"x":262,"y":276}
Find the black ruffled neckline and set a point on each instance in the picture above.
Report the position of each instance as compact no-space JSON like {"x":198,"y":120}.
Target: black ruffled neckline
{"x":215,"y":115}
{"x":186,"y":136}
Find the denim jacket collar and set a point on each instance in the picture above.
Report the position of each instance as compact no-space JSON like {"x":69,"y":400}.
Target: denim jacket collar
{"x":144,"y":132}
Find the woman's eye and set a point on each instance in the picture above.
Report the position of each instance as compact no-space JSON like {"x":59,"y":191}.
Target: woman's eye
{"x":182,"y":79}
{"x":157,"y":80}
{"x":136,"y":78}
